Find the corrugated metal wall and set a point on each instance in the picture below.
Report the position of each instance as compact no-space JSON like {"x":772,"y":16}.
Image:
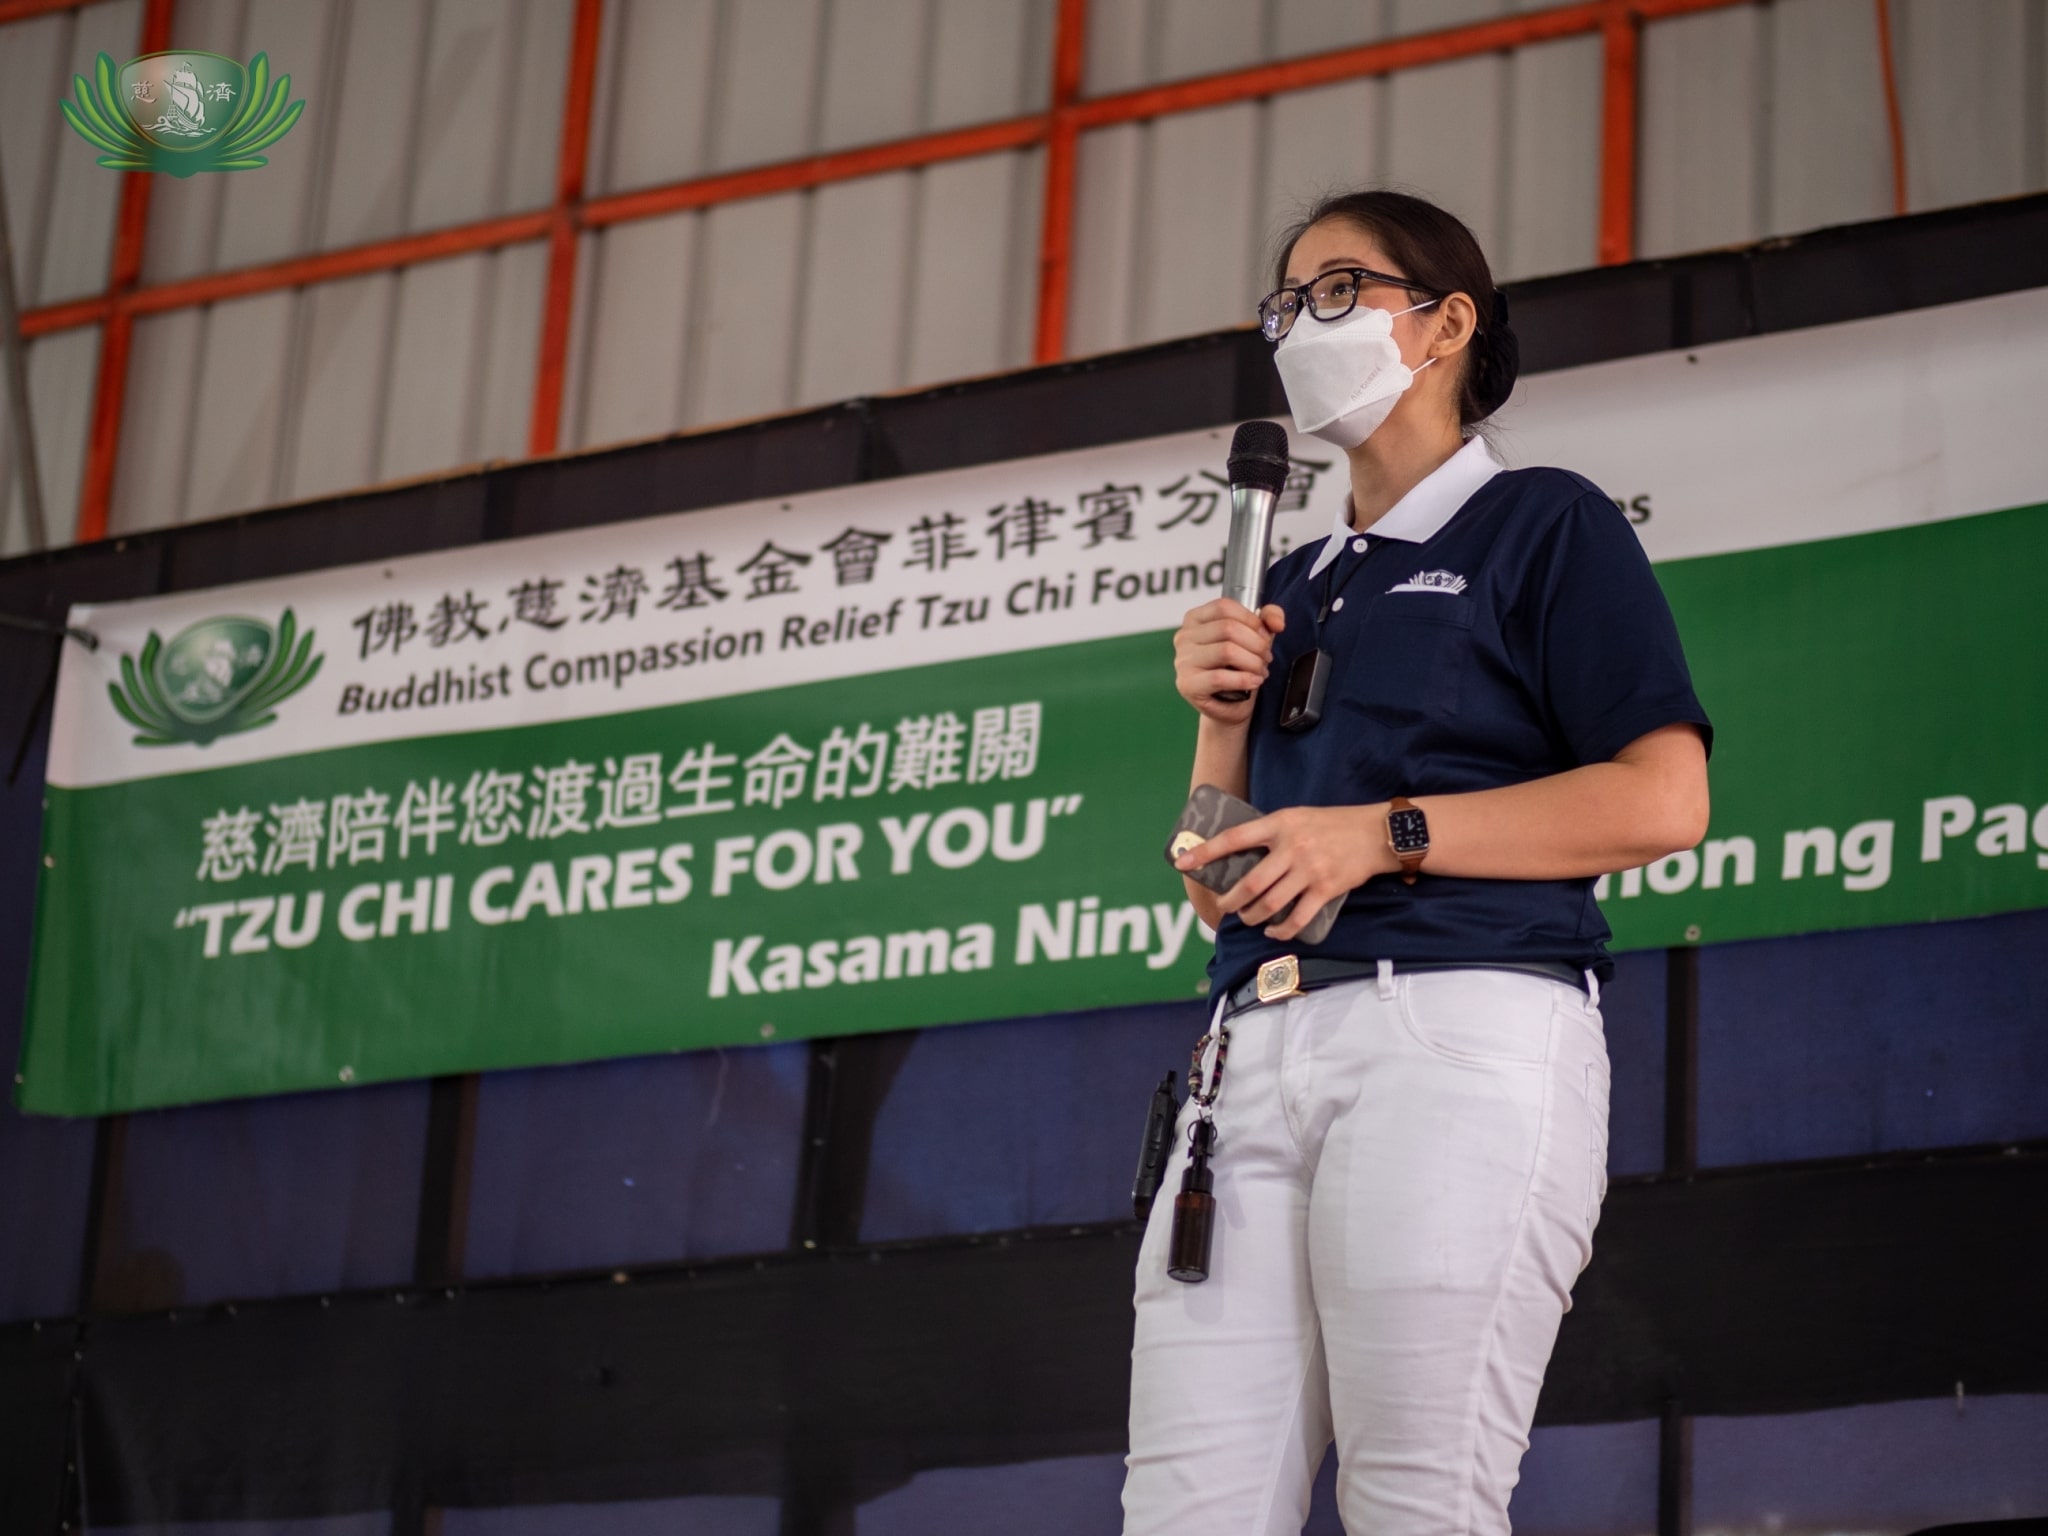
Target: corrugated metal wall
{"x":806,"y":297}
{"x":1756,"y":120}
{"x":419,"y":116}
{"x":1175,"y":218}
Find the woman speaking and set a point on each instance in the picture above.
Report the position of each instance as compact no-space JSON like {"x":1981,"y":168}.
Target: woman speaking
{"x":1410,"y":1148}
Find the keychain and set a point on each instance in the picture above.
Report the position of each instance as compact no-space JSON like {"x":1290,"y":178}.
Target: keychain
{"x":1194,"y":1208}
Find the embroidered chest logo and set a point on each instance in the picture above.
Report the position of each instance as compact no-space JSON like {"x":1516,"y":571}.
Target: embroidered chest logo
{"x":1448,"y":582}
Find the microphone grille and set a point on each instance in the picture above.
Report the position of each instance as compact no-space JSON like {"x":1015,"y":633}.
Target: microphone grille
{"x":1258,"y":456}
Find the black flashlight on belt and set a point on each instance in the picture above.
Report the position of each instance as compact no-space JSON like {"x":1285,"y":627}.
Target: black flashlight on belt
{"x":1194,"y":1209}
{"x":1156,"y":1147}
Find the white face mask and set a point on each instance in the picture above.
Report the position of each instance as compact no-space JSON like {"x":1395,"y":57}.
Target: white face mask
{"x":1343,"y":379}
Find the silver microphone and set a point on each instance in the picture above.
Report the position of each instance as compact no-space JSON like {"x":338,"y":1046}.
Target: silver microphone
{"x":1258,"y":472}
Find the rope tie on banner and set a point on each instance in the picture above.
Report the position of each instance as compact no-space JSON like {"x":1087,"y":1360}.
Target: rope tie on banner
{"x":48,"y":692}
{"x":84,"y":637}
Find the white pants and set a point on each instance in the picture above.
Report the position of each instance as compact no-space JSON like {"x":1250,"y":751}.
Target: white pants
{"x":1408,"y":1172}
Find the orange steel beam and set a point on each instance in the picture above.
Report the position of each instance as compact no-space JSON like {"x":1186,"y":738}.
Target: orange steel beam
{"x":1891,"y":105}
{"x":1621,"y":47}
{"x":294,"y":272}
{"x":513,"y":229}
{"x":812,"y":171}
{"x":544,"y":429}
{"x":1062,"y":149}
{"x":110,"y":389}
{"x":1664,"y":10}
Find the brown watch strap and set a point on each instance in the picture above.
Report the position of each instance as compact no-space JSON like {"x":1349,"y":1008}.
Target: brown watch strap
{"x":1411,"y":863}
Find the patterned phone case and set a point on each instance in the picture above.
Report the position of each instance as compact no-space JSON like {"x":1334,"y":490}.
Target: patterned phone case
{"x":1210,"y":811}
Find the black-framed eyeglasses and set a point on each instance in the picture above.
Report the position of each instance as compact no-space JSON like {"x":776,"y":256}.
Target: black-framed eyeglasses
{"x":1330,"y":296}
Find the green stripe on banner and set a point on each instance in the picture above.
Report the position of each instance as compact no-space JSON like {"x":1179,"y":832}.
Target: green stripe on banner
{"x":609,"y":913}
{"x":1879,"y":703}
{"x":1864,"y":690}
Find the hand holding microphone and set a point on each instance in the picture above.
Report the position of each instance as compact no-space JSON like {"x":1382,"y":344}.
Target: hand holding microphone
{"x":1223,"y":648}
{"x":1220,"y":656}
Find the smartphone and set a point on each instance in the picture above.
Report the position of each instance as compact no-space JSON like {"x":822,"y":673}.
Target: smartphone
{"x":1209,"y":811}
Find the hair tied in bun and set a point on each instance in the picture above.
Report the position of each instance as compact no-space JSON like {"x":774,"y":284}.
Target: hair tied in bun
{"x":1498,"y":361}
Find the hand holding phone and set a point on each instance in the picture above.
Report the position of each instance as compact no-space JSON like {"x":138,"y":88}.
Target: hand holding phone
{"x":1210,"y":811}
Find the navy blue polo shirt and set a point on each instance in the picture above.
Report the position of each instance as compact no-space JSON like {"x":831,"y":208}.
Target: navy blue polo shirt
{"x":1498,"y":626}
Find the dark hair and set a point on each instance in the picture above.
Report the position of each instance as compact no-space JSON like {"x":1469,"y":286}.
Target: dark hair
{"x":1436,"y":250}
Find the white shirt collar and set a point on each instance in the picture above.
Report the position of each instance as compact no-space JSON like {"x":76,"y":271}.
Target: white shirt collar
{"x":1433,"y":501}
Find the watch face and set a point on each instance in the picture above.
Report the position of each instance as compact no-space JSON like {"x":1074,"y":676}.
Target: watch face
{"x":1409,"y":831}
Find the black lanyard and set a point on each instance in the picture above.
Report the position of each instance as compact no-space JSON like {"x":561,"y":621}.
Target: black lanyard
{"x":1308,"y":679}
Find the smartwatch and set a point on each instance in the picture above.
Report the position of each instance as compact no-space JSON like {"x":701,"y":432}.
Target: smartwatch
{"x":1408,"y":836}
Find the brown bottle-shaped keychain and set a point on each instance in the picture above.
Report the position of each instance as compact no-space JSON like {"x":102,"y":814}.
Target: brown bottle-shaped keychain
{"x":1194,"y":1209}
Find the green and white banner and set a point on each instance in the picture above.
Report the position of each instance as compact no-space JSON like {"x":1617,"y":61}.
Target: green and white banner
{"x":904,"y":754}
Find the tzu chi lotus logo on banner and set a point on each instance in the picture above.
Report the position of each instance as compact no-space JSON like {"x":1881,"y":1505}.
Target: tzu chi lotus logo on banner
{"x":182,"y":112}
{"x":215,"y":678}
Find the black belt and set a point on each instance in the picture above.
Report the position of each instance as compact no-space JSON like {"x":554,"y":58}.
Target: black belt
{"x":1290,"y":976}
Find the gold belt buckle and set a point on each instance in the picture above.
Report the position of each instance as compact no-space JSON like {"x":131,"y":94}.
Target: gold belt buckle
{"x":1279,"y":978}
